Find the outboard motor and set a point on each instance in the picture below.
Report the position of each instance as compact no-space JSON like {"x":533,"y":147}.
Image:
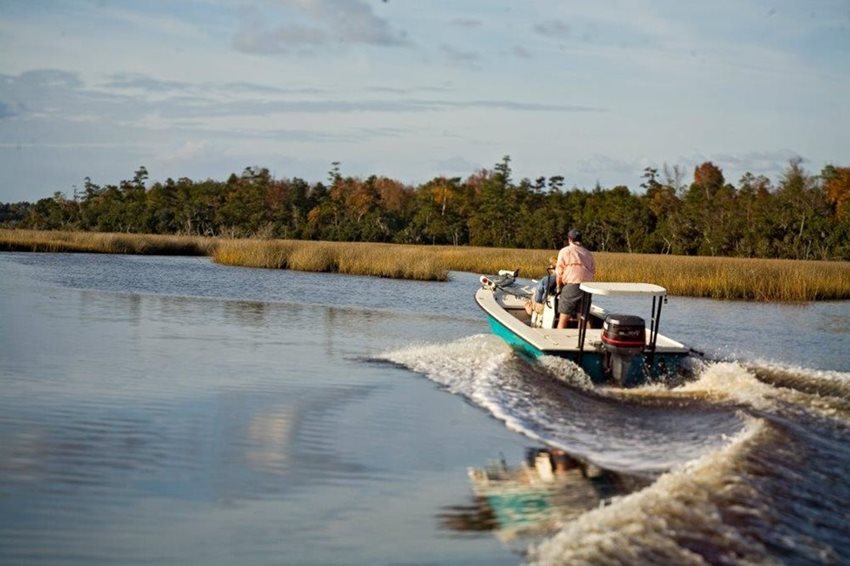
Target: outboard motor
{"x":623,"y":338}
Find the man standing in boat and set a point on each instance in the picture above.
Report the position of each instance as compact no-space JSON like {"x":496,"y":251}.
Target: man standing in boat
{"x":575,"y":266}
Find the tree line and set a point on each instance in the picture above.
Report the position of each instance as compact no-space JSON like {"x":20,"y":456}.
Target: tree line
{"x":800,"y":216}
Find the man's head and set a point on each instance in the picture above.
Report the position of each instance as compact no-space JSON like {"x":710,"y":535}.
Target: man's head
{"x":574,"y":236}
{"x":553,"y":261}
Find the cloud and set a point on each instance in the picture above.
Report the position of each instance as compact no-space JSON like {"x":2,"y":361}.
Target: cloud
{"x":408,"y":90}
{"x":457,"y":164}
{"x":107,"y":127}
{"x":523,"y":106}
{"x":521,"y":52}
{"x":187,"y":151}
{"x":6,"y":110}
{"x":254,"y":88}
{"x":605,"y":167}
{"x":354,"y":21}
{"x":386,"y":131}
{"x":47,"y":95}
{"x":152,"y":85}
{"x":46,"y":78}
{"x":466,"y":22}
{"x":149,"y":22}
{"x":325,"y":22}
{"x":552,"y":28}
{"x":278,"y":40}
{"x":144,"y":82}
{"x":57,"y":94}
{"x":196,"y":108}
{"x":458,"y":55}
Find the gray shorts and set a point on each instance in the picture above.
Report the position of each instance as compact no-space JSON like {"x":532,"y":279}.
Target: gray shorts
{"x":570,"y":299}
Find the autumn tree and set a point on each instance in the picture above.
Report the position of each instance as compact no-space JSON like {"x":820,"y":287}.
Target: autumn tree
{"x":837,"y":186}
{"x":702,"y":210}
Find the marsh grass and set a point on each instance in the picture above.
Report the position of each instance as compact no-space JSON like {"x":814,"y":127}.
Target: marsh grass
{"x":712,"y":277}
{"x":109,"y":243}
{"x":733,"y":278}
{"x":272,"y":254}
{"x":379,"y":260}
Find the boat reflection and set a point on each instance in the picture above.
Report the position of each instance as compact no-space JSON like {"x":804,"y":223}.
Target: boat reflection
{"x":533,"y":498}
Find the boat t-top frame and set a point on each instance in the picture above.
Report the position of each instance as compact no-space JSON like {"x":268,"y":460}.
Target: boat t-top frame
{"x":658,"y":294}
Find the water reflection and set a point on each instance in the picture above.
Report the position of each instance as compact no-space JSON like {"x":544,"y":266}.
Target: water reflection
{"x":98,"y":307}
{"x":549,"y":487}
{"x":22,"y":453}
{"x":270,"y":434}
{"x":247,"y":313}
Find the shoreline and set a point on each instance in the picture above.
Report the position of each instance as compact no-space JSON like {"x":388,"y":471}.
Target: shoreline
{"x":747,"y":279}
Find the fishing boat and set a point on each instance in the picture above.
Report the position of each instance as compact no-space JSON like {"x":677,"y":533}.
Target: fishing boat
{"x":612,"y":348}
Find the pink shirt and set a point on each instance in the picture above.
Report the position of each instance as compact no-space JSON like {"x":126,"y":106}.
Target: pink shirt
{"x":575,"y":265}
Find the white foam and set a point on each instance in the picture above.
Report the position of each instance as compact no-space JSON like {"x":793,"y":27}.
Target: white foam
{"x":472,"y":367}
{"x":731,"y":381}
{"x":815,"y":375}
{"x":459,"y":366}
{"x":641,"y":525}
{"x":566,"y":371}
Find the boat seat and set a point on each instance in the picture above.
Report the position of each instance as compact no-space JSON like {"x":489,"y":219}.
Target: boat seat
{"x":549,"y":318}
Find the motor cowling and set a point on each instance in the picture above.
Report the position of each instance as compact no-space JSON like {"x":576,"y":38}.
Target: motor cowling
{"x":623,"y":338}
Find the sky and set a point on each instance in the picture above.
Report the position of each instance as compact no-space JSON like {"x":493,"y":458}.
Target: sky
{"x":412,"y":90}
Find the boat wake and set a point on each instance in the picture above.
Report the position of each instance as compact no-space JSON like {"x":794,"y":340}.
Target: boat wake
{"x":816,"y":382}
{"x":750,"y":501}
{"x":554,"y":402}
{"x":479,"y":369}
{"x":771,"y":388}
{"x":729,"y":453}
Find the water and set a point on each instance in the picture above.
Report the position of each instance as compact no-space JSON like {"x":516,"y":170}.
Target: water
{"x":172,"y":410}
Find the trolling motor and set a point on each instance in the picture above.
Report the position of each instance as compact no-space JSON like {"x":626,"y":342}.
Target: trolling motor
{"x":623,"y":338}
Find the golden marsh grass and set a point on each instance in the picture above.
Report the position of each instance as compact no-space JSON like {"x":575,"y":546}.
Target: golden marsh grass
{"x":733,"y":278}
{"x":96,"y":242}
{"x":710,"y":277}
{"x":713,"y":277}
{"x":354,"y":258}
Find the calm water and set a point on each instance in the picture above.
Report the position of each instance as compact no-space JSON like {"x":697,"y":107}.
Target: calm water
{"x":172,"y":410}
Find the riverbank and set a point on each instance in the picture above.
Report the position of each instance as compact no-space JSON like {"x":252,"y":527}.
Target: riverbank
{"x":711,"y":277}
